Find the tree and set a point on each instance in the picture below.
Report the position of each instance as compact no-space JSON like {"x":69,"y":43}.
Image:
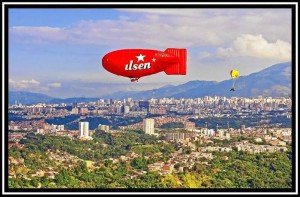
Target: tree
{"x":170,"y":181}
{"x":139,"y":163}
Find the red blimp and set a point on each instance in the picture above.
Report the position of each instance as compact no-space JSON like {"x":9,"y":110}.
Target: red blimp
{"x":137,"y":63}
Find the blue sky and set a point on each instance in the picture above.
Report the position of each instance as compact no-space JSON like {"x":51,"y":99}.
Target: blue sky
{"x":58,"y":51}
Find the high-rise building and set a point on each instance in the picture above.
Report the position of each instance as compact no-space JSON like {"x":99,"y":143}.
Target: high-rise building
{"x":84,"y":129}
{"x":243,"y":127}
{"x":103,"y":127}
{"x":109,"y":102}
{"x":55,"y":128}
{"x":144,"y":105}
{"x":84,"y":110}
{"x":227,"y":136}
{"x":179,"y":136}
{"x":126,"y":109}
{"x":74,"y":110}
{"x":209,"y":132}
{"x":148,"y":126}
{"x":189,"y":125}
{"x":221,"y":133}
{"x":60,"y":127}
{"x":80,"y":128}
{"x":120,"y":109}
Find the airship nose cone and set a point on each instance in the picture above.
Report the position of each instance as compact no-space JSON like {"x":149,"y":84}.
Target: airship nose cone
{"x":105,"y":61}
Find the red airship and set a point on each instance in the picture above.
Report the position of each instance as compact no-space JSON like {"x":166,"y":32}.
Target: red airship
{"x":137,"y":63}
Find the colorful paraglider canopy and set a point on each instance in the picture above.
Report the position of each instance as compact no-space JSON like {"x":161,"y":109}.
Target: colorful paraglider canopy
{"x":234,"y":74}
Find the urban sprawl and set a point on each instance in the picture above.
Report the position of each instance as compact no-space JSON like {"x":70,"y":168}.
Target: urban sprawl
{"x":154,"y":116}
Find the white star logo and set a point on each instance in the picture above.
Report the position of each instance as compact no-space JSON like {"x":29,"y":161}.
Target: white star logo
{"x":140,"y":57}
{"x":153,"y":59}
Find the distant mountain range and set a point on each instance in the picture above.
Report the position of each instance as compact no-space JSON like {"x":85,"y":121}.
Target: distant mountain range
{"x":273,"y":81}
{"x":15,"y":97}
{"x":27,"y":98}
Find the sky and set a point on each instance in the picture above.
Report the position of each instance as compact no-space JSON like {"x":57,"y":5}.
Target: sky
{"x":58,"y":52}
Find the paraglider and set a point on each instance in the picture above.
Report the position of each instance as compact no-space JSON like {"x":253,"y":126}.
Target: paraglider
{"x":137,"y":63}
{"x":234,"y":74}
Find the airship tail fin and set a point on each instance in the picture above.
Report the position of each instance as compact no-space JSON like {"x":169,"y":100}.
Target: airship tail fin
{"x":178,"y":68}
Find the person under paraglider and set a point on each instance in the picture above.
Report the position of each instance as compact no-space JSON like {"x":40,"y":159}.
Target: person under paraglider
{"x":234,"y":74}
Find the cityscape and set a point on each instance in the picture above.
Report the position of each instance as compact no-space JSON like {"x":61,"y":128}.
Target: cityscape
{"x":170,"y":140}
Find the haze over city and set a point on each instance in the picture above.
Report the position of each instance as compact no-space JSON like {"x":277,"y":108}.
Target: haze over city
{"x":58,"y":51}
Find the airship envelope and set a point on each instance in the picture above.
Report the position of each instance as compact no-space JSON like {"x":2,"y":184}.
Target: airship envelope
{"x":137,"y":63}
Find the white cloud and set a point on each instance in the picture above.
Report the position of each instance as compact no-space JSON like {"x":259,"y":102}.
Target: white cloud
{"x":54,"y":85}
{"x":24,"y":84}
{"x":32,"y":84}
{"x":39,"y":34}
{"x":204,"y":55}
{"x":164,"y":28}
{"x":174,"y":12}
{"x":257,"y":46}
